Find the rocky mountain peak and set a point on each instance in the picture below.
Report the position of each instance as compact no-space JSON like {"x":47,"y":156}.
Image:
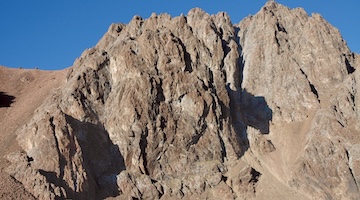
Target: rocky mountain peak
{"x":198,"y":107}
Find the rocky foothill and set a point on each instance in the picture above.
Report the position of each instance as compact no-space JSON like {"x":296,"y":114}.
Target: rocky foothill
{"x":191,"y":107}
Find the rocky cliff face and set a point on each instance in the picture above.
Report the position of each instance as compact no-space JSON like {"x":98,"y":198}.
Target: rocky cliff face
{"x":196,"y":107}
{"x":303,"y":68}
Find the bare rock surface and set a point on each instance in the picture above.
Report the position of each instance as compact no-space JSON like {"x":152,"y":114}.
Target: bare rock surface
{"x":195,"y":107}
{"x":21,"y":92}
{"x":304,"y":70}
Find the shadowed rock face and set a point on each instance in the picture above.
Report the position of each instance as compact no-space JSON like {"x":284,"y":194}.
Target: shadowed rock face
{"x":6,"y":100}
{"x":194,"y":106}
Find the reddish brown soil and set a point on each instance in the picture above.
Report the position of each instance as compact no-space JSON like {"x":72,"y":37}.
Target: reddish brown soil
{"x":21,"y":92}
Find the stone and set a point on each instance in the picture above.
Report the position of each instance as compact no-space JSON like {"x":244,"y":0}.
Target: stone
{"x":198,"y":107}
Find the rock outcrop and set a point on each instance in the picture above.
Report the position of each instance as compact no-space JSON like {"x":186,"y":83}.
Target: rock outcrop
{"x":197,"y":107}
{"x":304,"y":70}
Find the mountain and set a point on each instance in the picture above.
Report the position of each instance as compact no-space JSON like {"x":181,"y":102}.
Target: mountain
{"x":192,"y":107}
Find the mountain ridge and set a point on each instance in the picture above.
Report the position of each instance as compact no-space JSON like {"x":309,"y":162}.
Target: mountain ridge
{"x":197,"y":107}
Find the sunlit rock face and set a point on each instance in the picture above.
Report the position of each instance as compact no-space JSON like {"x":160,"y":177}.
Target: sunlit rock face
{"x":197,"y":107}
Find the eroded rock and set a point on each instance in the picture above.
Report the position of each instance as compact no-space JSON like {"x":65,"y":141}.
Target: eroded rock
{"x":194,"y":106}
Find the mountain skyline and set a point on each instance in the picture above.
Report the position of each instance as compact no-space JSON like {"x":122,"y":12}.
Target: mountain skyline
{"x":51,"y":35}
{"x":189,"y":107}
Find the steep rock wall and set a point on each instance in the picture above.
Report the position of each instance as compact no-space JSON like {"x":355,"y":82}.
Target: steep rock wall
{"x":194,"y":106}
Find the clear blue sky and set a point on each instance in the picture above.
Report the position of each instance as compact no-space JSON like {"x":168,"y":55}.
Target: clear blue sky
{"x":52,"y":34}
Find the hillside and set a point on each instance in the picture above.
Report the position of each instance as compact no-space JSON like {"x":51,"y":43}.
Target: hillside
{"x":21,"y":92}
{"x":190,"y":107}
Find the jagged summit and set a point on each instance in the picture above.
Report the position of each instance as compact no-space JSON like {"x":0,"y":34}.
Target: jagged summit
{"x":197,"y":107}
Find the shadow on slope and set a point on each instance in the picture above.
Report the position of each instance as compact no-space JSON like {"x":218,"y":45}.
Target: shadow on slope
{"x":256,"y":111}
{"x":102,"y":161}
{"x":6,"y":100}
{"x":248,"y":110}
